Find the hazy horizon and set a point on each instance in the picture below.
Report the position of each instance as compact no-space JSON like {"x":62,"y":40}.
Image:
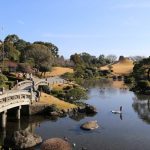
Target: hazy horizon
{"x":96,"y":27}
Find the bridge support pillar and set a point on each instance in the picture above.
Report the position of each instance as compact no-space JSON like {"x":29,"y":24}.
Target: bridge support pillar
{"x":32,"y":96}
{"x":4,"y":119}
{"x":18,"y":112}
{"x":3,"y":134}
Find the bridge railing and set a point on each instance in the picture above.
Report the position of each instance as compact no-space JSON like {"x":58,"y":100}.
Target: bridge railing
{"x":22,"y":83}
{"x":13,"y":95}
{"x":30,"y":83}
{"x":41,"y":82}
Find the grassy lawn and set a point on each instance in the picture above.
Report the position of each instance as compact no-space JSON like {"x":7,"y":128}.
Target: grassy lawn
{"x":49,"y":99}
{"x":121,"y":67}
{"x":57,"y":71}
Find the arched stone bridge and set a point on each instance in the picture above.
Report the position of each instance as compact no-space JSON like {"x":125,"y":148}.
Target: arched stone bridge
{"x":19,"y":96}
{"x":28,"y":83}
{"x":14,"y":99}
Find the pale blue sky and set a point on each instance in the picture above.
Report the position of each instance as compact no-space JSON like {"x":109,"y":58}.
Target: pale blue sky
{"x":119,"y":27}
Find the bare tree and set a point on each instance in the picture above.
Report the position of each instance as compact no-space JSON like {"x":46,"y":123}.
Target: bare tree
{"x":112,"y":58}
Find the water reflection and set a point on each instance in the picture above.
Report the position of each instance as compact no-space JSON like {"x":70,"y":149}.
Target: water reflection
{"x":26,"y":123}
{"x":101,"y":83}
{"x":141,"y":104}
{"x":121,"y":118}
{"x":79,"y":116}
{"x":106,"y":86}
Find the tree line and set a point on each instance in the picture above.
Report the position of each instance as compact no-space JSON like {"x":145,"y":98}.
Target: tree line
{"x":41,"y":56}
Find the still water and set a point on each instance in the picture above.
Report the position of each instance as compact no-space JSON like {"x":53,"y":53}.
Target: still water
{"x":131,"y":131}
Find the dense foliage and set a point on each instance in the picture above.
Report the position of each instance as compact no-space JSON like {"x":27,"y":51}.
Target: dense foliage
{"x":37,"y":56}
{"x":3,"y":79}
{"x":87,"y":60}
{"x":87,"y":66}
{"x":70,"y":94}
{"x":141,"y":75}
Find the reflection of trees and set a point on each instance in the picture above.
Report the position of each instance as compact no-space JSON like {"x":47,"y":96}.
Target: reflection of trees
{"x":142,"y":97}
{"x":112,"y":91}
{"x":26,"y":123}
{"x":123,"y":91}
{"x":79,"y":116}
{"x":141,"y":104}
{"x":102,"y":83}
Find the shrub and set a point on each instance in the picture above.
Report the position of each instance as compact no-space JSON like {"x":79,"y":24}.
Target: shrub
{"x":24,"y":67}
{"x":128,"y":80}
{"x":14,"y":78}
{"x":76,"y":94}
{"x":44,"y":88}
{"x":10,"y":84}
{"x":56,"y":92}
{"x":69,"y":76}
{"x":89,"y":73}
{"x":143,"y":86}
{"x":3,"y":78}
{"x":67,"y":88}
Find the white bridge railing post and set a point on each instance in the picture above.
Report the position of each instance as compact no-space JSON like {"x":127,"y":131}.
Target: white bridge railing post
{"x":4,"y":119}
{"x":32,"y":96}
{"x":18,"y":112}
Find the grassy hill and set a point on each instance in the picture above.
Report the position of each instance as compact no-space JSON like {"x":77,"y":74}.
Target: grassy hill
{"x":123,"y":66}
{"x":49,"y":99}
{"x":57,"y":71}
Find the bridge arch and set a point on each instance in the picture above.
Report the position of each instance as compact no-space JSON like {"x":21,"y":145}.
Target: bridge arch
{"x":28,"y":83}
{"x":14,"y":99}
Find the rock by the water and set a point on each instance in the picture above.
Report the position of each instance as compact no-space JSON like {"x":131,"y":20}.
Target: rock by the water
{"x":52,"y":108}
{"x":81,"y":109}
{"x":65,"y":111}
{"x":91,"y":125}
{"x":24,"y":139}
{"x":90,"y":109}
{"x":54,"y":113}
{"x":56,"y":144}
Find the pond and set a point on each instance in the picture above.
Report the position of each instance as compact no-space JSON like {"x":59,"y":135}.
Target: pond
{"x":131,"y":130}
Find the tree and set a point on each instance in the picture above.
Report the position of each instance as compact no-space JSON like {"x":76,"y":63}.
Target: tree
{"x":44,"y":68}
{"x":141,"y":69}
{"x":3,"y":79}
{"x":60,"y":61}
{"x":51,"y":47}
{"x":76,"y":58}
{"x":87,"y":58}
{"x":102,"y":60}
{"x":137,"y":58}
{"x":143,"y":85}
{"x":11,"y":52}
{"x":1,"y":51}
{"x":24,"y":67}
{"x":112,"y":58}
{"x":41,"y":56}
{"x":76,"y":94}
{"x":11,"y":38}
{"x":21,"y":44}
